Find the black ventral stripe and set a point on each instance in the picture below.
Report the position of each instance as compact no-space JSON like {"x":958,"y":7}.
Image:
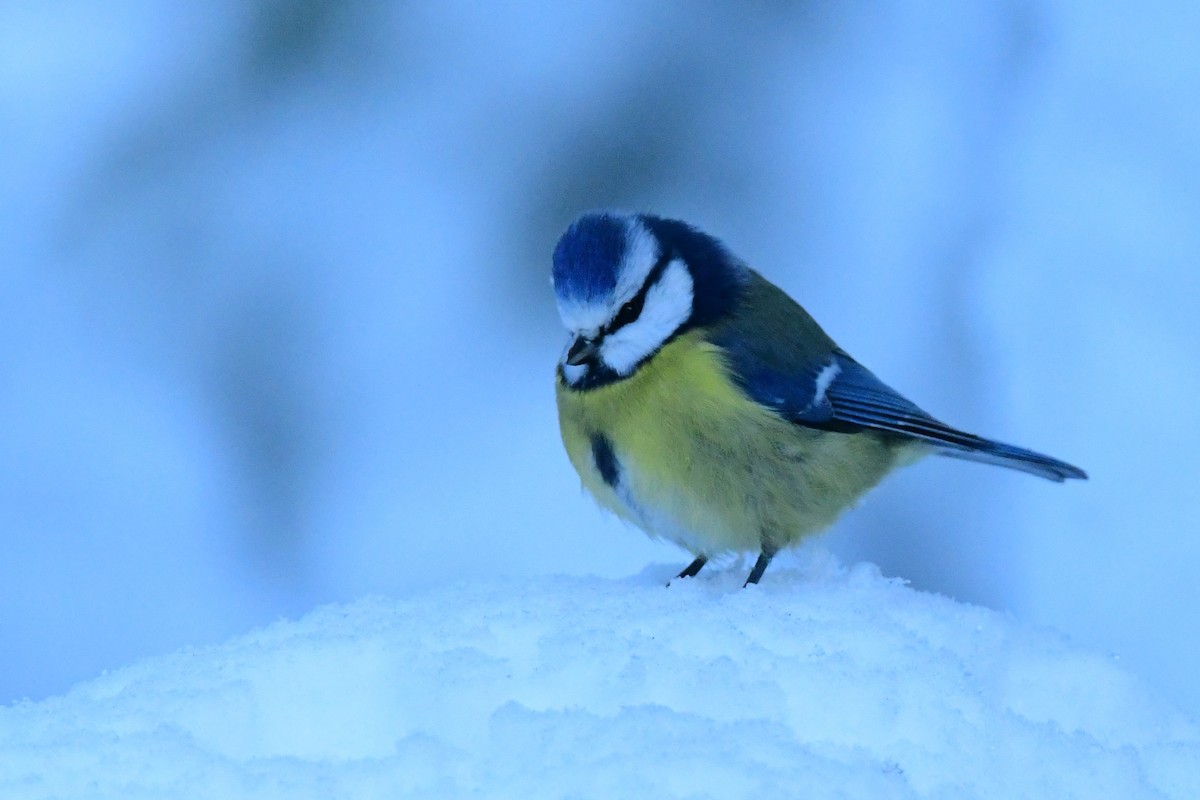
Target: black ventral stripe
{"x":606,"y":459}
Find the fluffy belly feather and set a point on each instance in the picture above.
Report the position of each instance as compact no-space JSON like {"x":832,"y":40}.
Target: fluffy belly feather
{"x":679,"y":450}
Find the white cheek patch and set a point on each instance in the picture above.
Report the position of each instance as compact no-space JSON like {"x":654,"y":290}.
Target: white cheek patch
{"x":668,"y":305}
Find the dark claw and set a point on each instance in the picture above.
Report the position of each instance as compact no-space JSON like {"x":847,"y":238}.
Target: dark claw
{"x":691,"y":569}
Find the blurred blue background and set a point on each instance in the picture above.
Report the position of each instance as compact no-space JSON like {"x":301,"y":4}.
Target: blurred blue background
{"x":276,"y":328}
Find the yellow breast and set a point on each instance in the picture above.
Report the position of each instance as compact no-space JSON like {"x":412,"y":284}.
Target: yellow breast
{"x":696,"y":461}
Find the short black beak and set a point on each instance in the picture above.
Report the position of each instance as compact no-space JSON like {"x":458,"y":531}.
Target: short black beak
{"x":582,"y":350}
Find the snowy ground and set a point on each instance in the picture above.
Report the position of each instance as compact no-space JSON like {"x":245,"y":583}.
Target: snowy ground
{"x":821,"y":682}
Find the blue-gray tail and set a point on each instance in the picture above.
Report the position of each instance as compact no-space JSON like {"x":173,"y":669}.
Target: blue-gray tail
{"x":975,"y":448}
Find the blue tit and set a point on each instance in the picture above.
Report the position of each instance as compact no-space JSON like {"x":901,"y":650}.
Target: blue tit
{"x":701,"y":403}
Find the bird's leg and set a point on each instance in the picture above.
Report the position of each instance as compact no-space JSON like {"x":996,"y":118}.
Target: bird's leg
{"x":760,"y":566}
{"x":691,"y":569}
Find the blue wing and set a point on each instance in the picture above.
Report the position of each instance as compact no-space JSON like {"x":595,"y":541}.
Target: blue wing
{"x":836,"y":393}
{"x":782,"y":359}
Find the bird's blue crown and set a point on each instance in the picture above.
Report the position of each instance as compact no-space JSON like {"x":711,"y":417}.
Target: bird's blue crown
{"x":588,"y":255}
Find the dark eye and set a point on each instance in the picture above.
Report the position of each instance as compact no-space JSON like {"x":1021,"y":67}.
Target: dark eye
{"x":629,"y":312}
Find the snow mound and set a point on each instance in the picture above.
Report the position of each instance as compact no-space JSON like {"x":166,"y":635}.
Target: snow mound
{"x":822,"y":682}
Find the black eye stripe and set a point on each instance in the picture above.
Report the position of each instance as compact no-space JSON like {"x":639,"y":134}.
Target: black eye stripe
{"x":633,"y":308}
